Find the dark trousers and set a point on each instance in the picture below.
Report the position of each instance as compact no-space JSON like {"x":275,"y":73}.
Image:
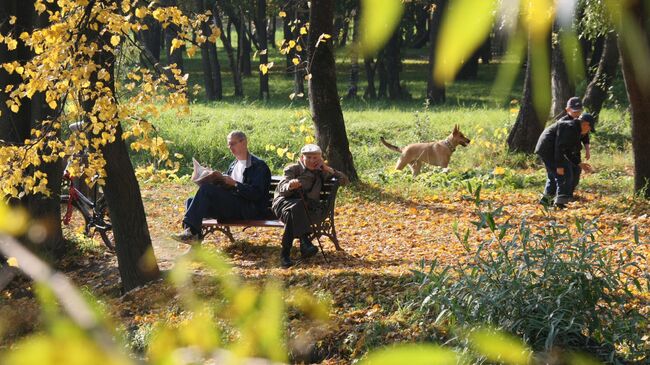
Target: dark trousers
{"x":561,"y":186}
{"x":213,"y":201}
{"x":293,"y":213}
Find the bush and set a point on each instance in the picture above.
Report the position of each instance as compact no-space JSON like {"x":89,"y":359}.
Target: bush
{"x":553,"y":288}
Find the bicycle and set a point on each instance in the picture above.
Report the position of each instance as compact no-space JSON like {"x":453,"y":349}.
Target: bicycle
{"x":94,"y":212}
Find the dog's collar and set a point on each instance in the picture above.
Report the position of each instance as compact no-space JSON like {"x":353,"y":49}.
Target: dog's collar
{"x":449,"y":145}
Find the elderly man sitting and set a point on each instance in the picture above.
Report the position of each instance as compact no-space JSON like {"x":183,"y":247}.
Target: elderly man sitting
{"x":243,"y":193}
{"x":296,"y":200}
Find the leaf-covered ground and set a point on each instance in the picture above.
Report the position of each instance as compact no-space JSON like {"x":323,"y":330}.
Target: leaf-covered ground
{"x":385,"y":235}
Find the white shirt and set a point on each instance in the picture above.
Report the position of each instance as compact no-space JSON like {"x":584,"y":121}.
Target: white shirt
{"x":238,"y":171}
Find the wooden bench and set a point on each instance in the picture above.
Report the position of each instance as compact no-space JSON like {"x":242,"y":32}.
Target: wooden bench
{"x":323,"y":228}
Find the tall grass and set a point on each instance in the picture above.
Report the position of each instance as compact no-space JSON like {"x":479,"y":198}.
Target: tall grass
{"x":553,"y":286}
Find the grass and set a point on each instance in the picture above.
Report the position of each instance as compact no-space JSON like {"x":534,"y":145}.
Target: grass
{"x":482,"y":116}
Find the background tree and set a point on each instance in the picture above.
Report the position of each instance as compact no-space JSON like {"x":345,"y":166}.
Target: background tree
{"x":634,"y":46}
{"x":598,"y":88}
{"x":323,"y":95}
{"x":435,"y":90}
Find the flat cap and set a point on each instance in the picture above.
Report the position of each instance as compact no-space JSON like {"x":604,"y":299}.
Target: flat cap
{"x":310,"y":148}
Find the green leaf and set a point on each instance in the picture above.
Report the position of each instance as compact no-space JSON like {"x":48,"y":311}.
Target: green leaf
{"x":501,"y":347}
{"x":465,"y":26}
{"x":379,"y":18}
{"x":412,"y":355}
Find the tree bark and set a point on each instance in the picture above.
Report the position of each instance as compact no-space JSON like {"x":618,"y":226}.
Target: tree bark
{"x":260,"y":27}
{"x":561,"y":88}
{"x":370,"y":66}
{"x":135,"y":257}
{"x":176,"y":56}
{"x":323,"y":95}
{"x":528,"y":126}
{"x":227,"y":45}
{"x":469,"y":70}
{"x":354,"y":59}
{"x":208,"y":83}
{"x":637,"y":84}
{"x":15,"y":127}
{"x":270,"y":31}
{"x":597,"y":90}
{"x":421,"y":35}
{"x":435,"y":92}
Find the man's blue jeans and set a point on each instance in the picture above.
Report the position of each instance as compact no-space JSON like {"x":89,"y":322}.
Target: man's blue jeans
{"x":559,"y":186}
{"x":212,"y":201}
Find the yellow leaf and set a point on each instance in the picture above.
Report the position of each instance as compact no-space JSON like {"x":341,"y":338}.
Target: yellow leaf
{"x":295,"y":61}
{"x":15,"y":108}
{"x":460,"y":38}
{"x":499,"y":171}
{"x":291,"y":155}
{"x":282,"y":14}
{"x":12,"y":261}
{"x":115,"y":40}
{"x":303,"y":30}
{"x":141,"y":12}
{"x":20,"y":70}
{"x":378,"y":21}
{"x":292,"y":43}
{"x":12,"y":19}
{"x":52,"y":104}
{"x":264,"y":69}
{"x":11,"y":43}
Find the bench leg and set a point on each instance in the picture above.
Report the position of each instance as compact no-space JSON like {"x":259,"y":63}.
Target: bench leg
{"x":224,"y":230}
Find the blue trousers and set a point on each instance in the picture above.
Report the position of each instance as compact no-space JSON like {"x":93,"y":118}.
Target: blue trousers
{"x":214,"y":201}
{"x":561,"y":186}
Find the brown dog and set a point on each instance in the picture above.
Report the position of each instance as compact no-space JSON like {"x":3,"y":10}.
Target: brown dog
{"x":434,"y":153}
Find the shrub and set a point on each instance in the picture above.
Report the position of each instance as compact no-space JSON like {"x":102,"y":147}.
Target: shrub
{"x":552,"y":287}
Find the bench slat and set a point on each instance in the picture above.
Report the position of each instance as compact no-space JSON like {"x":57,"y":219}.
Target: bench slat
{"x":243,"y":223}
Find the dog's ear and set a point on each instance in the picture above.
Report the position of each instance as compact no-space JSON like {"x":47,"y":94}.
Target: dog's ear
{"x":456,"y":129}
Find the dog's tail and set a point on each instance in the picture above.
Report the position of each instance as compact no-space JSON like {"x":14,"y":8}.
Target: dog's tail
{"x":390,"y":146}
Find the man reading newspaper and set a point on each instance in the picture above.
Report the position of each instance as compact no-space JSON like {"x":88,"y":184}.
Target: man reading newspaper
{"x":242,"y":192}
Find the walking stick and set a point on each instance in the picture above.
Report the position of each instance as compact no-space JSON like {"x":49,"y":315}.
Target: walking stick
{"x":311,"y":224}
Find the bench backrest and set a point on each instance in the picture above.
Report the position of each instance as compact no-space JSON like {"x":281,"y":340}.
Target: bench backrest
{"x":327,"y":193}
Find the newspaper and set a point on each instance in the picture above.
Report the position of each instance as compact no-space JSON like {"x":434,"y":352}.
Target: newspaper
{"x":202,"y":175}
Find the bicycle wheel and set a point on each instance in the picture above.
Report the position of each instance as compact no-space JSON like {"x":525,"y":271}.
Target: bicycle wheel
{"x":103,"y":224}
{"x":74,"y":220}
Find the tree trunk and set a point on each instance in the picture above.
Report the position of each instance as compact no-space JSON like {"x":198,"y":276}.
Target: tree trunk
{"x":288,"y":35}
{"x":637,"y":84}
{"x":370,"y":67}
{"x":323,"y":95}
{"x":260,"y":27}
{"x":421,"y":35}
{"x":227,"y":45}
{"x":354,"y":59}
{"x":597,"y":90}
{"x":215,"y":71}
{"x":301,"y":14}
{"x":15,"y":127}
{"x":393,"y":62}
{"x":469,"y":70}
{"x":528,"y":126}
{"x":435,"y":92}
{"x":561,"y":88}
{"x":135,"y":257}
{"x":270,"y":31}
{"x":243,"y":47}
{"x":176,"y":56}
{"x":344,"y":32}
{"x":150,"y":38}
{"x":205,"y":58}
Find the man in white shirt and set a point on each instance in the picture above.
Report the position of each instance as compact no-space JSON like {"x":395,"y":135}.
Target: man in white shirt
{"x":243,"y":193}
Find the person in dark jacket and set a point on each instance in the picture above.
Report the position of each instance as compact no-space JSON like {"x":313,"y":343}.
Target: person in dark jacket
{"x":243,"y":192}
{"x":573,"y":111}
{"x":559,"y":149}
{"x":296,"y":200}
